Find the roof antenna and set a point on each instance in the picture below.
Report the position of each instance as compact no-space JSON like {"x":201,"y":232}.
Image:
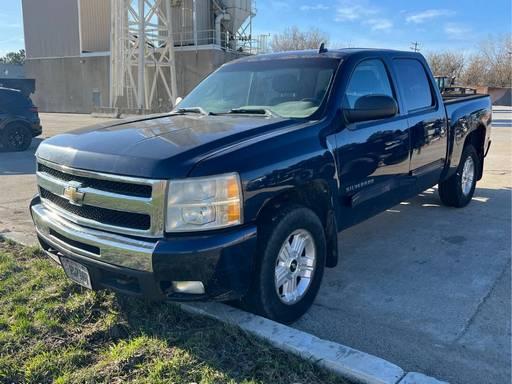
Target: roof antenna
{"x":322,"y":48}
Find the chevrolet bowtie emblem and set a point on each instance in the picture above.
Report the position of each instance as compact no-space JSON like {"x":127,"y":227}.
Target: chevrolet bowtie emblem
{"x":73,"y":194}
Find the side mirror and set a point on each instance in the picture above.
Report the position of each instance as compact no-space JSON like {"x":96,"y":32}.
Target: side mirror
{"x":371,"y":107}
{"x":178,"y":100}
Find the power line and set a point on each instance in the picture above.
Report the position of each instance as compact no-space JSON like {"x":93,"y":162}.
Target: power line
{"x":415,"y":46}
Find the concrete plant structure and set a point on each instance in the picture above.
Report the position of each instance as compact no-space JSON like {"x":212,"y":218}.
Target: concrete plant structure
{"x":86,"y":54}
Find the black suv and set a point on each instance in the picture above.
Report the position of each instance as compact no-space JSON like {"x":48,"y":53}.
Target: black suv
{"x":19,"y":120}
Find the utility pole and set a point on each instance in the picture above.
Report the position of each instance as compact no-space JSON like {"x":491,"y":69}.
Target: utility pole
{"x":415,"y":46}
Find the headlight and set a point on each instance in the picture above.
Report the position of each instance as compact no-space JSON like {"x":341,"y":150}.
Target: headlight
{"x":199,"y":204}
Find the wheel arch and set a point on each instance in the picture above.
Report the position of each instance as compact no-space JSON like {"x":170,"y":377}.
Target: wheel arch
{"x":10,"y":122}
{"x":316,"y":196}
{"x":477,"y":139}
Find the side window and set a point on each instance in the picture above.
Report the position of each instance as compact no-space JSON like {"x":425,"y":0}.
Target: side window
{"x":414,"y":82}
{"x":369,"y":78}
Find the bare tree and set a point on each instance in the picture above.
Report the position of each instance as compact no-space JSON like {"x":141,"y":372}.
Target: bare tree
{"x":476,"y":71}
{"x":293,"y":38}
{"x":490,"y":65}
{"x":448,"y":64}
{"x":497,"y":52}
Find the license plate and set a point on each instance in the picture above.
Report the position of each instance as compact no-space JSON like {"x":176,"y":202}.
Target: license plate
{"x":76,"y":272}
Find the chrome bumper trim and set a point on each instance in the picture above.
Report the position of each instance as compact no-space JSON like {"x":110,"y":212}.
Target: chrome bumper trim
{"x":114,"y":249}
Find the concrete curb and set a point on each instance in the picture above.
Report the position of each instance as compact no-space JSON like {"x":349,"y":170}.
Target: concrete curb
{"x":347,"y":362}
{"x":419,"y":378}
{"x":344,"y":361}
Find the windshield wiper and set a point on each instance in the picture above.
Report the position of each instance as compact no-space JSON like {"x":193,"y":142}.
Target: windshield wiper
{"x":252,"y":111}
{"x":197,"y":110}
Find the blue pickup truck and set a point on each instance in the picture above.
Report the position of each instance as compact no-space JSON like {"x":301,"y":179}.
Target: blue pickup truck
{"x":240,"y":192}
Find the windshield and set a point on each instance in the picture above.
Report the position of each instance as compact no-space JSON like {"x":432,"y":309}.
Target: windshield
{"x":293,"y":88}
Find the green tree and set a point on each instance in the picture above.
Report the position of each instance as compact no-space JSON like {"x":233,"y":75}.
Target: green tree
{"x":14,"y":57}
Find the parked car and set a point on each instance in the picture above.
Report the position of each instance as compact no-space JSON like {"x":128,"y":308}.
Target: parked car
{"x":19,"y":120}
{"x":242,"y":190}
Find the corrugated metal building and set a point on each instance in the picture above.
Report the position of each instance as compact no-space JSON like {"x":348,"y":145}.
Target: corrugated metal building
{"x":68,"y":48}
{"x":51,"y":28}
{"x":94,"y":31}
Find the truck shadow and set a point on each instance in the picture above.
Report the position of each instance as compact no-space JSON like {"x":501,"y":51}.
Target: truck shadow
{"x":19,"y":163}
{"x":487,"y":205}
{"x":420,"y":271}
{"x":430,"y":199}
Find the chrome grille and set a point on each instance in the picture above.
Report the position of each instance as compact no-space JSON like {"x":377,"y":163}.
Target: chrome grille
{"x":119,"y":204}
{"x":129,"y":189}
{"x":101,"y":215}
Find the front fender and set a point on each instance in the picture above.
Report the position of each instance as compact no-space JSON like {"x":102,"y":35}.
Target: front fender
{"x":274,"y":164}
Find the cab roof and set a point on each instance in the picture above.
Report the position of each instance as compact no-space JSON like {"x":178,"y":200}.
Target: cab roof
{"x":331,"y":53}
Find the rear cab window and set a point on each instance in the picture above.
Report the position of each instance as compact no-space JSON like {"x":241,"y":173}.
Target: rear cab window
{"x":416,"y":87}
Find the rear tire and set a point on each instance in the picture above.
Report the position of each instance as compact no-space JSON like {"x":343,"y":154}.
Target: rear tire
{"x":292,"y":251}
{"x":16,"y":137}
{"x":457,"y":191}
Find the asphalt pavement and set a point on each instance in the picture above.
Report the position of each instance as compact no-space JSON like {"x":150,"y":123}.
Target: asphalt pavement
{"x":18,"y":179}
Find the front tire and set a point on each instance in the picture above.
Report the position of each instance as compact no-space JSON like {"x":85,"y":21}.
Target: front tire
{"x":16,"y":137}
{"x":292,"y":250}
{"x":458,"y":190}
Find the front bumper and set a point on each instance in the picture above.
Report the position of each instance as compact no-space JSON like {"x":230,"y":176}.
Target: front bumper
{"x":222,"y":261}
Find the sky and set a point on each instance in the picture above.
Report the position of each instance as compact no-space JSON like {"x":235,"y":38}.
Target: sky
{"x":11,"y":26}
{"x":436,"y":25}
{"x":457,"y":25}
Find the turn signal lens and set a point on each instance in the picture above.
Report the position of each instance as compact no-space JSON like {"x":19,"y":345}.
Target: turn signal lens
{"x":233,"y":212}
{"x":233,"y":189}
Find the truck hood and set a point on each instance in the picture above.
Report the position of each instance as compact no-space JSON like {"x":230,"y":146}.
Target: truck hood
{"x":160,"y":147}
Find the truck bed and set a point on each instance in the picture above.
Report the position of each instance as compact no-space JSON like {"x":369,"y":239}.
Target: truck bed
{"x":452,"y":99}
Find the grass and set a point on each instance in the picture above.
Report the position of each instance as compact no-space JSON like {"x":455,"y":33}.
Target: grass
{"x":53,"y":331}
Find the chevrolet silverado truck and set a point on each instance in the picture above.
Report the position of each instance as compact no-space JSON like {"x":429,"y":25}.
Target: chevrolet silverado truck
{"x":240,"y":192}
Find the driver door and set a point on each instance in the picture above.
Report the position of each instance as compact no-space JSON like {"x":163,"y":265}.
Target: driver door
{"x":372,"y":156}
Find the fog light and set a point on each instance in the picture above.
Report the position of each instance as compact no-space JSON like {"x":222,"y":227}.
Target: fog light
{"x":194,"y":287}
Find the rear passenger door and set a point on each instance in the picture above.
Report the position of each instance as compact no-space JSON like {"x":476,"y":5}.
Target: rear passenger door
{"x":426,"y":117}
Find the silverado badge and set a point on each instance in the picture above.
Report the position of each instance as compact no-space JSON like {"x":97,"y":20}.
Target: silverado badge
{"x":73,"y":194}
